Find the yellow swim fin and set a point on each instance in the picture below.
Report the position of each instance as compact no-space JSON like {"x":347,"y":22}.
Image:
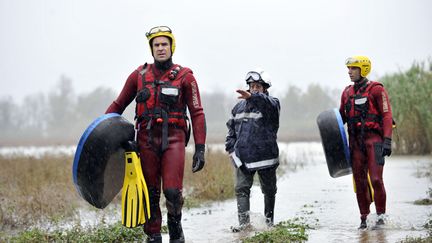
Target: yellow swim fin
{"x":370,"y":187}
{"x":135,"y":198}
{"x":145,"y":213}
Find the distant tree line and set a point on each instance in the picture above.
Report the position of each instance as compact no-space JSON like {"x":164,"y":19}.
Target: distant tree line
{"x":60,"y":116}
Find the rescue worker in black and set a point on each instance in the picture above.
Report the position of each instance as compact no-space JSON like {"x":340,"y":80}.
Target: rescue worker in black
{"x":251,"y":144}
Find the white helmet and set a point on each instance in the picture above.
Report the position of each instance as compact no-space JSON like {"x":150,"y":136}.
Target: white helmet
{"x":260,"y":76}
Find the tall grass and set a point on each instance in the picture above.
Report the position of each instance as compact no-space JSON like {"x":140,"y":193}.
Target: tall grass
{"x":410,"y":96}
{"x":36,"y":190}
{"x":214,"y":182}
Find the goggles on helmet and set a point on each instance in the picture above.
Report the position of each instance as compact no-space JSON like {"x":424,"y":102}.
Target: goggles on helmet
{"x":161,"y":31}
{"x":158,"y":29}
{"x":253,"y":76}
{"x":350,"y":61}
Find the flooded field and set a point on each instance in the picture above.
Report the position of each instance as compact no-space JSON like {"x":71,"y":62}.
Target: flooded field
{"x":305,"y":189}
{"x":329,"y":204}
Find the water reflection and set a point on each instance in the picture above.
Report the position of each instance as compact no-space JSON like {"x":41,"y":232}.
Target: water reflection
{"x":375,"y":236}
{"x":307,"y":190}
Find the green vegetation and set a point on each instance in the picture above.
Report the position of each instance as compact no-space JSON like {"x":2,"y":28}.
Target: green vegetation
{"x":286,"y":231}
{"x":424,"y":201}
{"x":101,"y":233}
{"x":426,"y":239}
{"x":410,"y":95}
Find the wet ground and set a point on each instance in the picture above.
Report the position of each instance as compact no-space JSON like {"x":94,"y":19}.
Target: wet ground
{"x":305,"y":189}
{"x":327,"y":203}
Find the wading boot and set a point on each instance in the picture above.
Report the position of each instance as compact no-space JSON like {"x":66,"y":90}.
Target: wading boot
{"x":363,"y":224}
{"x":155,"y":238}
{"x":243,"y":214}
{"x":244,"y":222}
{"x":175,"y":229}
{"x":269,"y":203}
{"x":380,"y":220}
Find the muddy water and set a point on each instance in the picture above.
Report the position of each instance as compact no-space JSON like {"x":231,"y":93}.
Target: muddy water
{"x":328,"y":204}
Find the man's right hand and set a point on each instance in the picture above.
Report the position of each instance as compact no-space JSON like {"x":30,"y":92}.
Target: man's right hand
{"x":244,"y":94}
{"x":198,"y":159}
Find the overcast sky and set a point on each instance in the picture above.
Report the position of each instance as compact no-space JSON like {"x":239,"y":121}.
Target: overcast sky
{"x":100,"y":42}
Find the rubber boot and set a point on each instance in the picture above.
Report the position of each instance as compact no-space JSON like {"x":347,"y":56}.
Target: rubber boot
{"x":269,"y":203}
{"x":155,"y":238}
{"x":243,"y":214}
{"x":175,"y":229}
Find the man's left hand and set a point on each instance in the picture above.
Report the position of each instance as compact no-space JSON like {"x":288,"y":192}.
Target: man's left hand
{"x":198,"y":160}
{"x":387,"y":148}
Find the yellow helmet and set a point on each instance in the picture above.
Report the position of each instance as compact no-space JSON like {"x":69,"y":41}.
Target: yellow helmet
{"x":161,"y":31}
{"x":361,"y":62}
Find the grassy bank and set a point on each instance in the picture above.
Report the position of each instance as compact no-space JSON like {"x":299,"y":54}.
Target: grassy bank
{"x":40,"y":191}
{"x":287,"y":231}
{"x":35,"y":189}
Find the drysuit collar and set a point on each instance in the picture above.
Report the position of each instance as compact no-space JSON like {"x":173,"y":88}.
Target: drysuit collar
{"x":163,"y":66}
{"x":360,"y":84}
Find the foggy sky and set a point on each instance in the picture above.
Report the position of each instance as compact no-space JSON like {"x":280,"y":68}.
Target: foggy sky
{"x":100,"y":42}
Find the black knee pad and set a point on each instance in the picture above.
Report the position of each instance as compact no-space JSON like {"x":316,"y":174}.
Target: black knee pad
{"x":174,"y":200}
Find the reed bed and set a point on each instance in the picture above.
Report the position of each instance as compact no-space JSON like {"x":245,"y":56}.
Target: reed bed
{"x":410,"y":95}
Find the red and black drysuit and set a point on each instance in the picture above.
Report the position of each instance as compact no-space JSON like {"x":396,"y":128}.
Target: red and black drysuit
{"x":365,"y":107}
{"x":162,"y":97}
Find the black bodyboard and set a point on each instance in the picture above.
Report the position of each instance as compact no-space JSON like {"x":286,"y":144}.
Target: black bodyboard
{"x":334,"y":141}
{"x":98,"y":167}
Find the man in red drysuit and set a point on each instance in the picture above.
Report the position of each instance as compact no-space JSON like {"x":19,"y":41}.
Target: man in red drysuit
{"x":163,"y":91}
{"x":365,"y":107}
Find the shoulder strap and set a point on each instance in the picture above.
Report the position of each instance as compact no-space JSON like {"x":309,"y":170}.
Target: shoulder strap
{"x":372,"y":84}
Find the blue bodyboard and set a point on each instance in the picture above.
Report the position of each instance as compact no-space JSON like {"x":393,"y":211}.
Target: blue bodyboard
{"x":334,"y":141}
{"x":98,"y":166}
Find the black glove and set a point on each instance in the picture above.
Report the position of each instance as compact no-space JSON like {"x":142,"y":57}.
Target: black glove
{"x":387,"y":148}
{"x":130,"y":146}
{"x":198,"y":158}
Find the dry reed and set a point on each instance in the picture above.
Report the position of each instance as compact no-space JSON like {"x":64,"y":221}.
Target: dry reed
{"x":33,"y":190}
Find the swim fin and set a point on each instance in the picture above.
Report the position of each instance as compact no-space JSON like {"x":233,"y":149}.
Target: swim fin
{"x":135,"y":198}
{"x":370,"y":187}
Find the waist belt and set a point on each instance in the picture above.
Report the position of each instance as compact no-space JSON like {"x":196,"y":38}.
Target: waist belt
{"x":159,"y":116}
